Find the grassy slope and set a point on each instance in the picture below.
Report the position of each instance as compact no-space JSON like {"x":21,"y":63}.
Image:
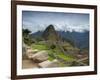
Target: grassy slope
{"x":53,"y":53}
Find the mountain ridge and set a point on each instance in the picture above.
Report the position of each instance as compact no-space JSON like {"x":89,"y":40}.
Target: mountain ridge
{"x":80,"y":39}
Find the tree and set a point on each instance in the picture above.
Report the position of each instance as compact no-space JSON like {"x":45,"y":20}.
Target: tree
{"x":26,"y":37}
{"x":53,"y":46}
{"x":26,"y":32}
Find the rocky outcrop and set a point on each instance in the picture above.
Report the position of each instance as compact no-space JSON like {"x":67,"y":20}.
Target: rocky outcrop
{"x":31,"y":52}
{"x":40,"y":56}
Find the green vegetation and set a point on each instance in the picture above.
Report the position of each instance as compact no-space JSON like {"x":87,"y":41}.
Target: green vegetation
{"x":26,"y":32}
{"x":53,"y":46}
{"x":39,"y":47}
{"x":53,"y":52}
{"x":66,"y":57}
{"x":38,"y":39}
{"x":27,"y":39}
{"x":51,"y":56}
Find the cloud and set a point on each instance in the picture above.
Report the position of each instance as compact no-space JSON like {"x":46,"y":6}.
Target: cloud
{"x":37,"y":21}
{"x":59,"y":27}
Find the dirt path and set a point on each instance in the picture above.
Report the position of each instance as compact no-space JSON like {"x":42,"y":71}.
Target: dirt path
{"x":26,"y":64}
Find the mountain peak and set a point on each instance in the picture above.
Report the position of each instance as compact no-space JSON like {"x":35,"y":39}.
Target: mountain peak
{"x":50,"y":34}
{"x":50,"y":26}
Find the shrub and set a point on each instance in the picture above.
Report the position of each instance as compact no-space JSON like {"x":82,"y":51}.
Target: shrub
{"x":53,"y":46}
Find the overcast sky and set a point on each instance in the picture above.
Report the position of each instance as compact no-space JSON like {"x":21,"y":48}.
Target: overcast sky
{"x":37,"y":21}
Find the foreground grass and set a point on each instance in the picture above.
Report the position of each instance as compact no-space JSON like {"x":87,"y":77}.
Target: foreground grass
{"x":39,"y":47}
{"x":66,"y":57}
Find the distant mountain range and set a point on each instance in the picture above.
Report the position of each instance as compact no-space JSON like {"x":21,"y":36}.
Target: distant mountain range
{"x":80,"y":39}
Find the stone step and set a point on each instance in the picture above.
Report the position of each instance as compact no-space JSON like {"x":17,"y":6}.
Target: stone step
{"x":49,"y":64}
